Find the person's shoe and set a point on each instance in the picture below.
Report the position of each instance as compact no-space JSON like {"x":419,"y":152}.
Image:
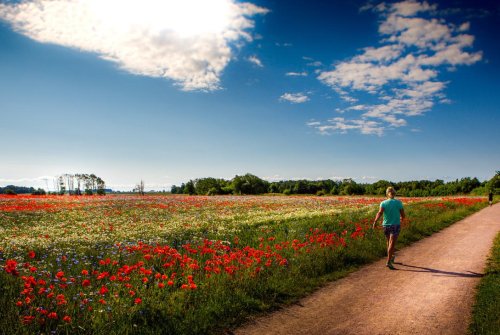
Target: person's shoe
{"x":390,"y":266}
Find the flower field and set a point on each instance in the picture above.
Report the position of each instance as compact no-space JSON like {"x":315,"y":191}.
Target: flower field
{"x":183,"y":264}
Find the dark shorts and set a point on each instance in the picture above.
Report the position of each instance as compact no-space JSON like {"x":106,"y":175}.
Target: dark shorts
{"x":392,"y":230}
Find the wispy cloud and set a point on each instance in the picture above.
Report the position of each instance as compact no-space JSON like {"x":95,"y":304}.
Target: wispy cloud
{"x":402,"y":72}
{"x":255,"y":60}
{"x":315,"y":64}
{"x":296,"y":74}
{"x":24,"y":180}
{"x":187,"y":41}
{"x":343,"y":126}
{"x":296,"y":98}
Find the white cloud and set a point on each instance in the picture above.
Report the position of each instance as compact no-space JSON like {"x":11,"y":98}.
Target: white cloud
{"x":254,"y":60}
{"x":464,"y":26}
{"x":296,"y":74}
{"x":296,"y":98}
{"x":411,"y":7}
{"x":187,"y":41}
{"x":343,"y":126}
{"x":402,"y":72}
{"x":315,"y":64}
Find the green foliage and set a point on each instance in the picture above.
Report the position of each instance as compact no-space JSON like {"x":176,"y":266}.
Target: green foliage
{"x":494,"y":183}
{"x":189,"y":188}
{"x":39,"y":191}
{"x":16,"y":189}
{"x":203,"y":186}
{"x":9,"y":191}
{"x":350,"y":187}
{"x":249,"y":184}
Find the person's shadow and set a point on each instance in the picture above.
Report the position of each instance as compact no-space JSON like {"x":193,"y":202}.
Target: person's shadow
{"x":413,"y":268}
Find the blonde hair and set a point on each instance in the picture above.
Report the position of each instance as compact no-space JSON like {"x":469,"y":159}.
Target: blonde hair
{"x":390,"y":192}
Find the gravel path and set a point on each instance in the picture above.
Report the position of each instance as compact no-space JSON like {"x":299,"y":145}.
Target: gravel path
{"x":431,"y":292}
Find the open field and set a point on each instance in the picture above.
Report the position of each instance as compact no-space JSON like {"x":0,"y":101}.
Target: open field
{"x":183,"y":264}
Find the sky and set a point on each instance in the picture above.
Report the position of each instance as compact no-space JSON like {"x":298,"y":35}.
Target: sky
{"x":171,"y":90}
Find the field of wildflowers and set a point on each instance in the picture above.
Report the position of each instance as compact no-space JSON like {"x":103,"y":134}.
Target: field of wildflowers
{"x":183,"y":264}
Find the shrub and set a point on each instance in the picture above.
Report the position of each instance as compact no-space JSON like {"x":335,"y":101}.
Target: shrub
{"x":39,"y":191}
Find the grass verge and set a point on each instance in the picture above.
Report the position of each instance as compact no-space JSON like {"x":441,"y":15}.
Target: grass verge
{"x":486,"y":311}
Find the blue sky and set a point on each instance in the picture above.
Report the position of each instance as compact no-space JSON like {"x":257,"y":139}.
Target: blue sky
{"x":168,"y":91}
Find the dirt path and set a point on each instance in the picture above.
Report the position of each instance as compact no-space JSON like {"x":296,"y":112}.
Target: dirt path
{"x":431,"y":292}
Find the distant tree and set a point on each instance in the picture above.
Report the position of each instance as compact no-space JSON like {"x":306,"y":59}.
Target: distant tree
{"x":140,"y":187}
{"x":101,"y":186}
{"x":494,"y":183}
{"x":62,"y":187}
{"x":301,"y":187}
{"x":204,"y":186}
{"x":249,"y":184}
{"x":350,"y":187}
{"x":9,"y":191}
{"x":39,"y":191}
{"x":189,"y":188}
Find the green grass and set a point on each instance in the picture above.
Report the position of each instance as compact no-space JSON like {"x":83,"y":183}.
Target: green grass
{"x":223,"y":303}
{"x":486,"y":311}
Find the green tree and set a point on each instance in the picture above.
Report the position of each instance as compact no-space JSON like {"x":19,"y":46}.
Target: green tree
{"x":494,"y":183}
{"x":212,"y":186}
{"x":189,"y":188}
{"x":249,"y":184}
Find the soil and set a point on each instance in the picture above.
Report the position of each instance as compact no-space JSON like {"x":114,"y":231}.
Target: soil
{"x":431,"y":291}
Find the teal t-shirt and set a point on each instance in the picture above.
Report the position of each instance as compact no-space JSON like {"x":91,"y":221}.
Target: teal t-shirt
{"x":391,"y":211}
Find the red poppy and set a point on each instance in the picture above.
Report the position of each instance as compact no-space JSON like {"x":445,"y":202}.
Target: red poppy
{"x":103,"y":290}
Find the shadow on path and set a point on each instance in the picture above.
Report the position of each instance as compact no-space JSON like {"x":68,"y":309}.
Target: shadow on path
{"x":413,"y":268}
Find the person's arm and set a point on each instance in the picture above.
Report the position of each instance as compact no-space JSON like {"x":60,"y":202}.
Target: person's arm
{"x":402,"y":213}
{"x":379,"y":214}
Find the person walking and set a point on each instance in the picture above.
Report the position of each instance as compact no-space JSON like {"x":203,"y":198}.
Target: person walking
{"x":490,"y":198}
{"x":393,"y":212}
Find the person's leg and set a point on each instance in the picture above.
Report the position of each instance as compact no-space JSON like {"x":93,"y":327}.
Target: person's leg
{"x":392,"y":245}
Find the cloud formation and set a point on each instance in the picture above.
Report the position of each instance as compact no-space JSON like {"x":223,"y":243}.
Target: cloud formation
{"x":296,"y":98}
{"x":402,"y":72}
{"x":187,"y":41}
{"x":296,"y":74}
{"x":255,"y":60}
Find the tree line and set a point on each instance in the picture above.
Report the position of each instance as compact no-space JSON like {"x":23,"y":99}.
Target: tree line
{"x":72,"y":184}
{"x":251,"y":184}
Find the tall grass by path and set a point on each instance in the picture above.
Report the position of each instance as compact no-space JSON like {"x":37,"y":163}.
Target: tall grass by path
{"x":222,"y":302}
{"x":486,"y":311}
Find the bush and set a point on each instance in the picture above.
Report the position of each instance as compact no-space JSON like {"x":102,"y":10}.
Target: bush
{"x":9,"y":192}
{"x":101,"y":191}
{"x":39,"y":191}
{"x":88,"y":192}
{"x":212,"y":191}
{"x":321,"y":193}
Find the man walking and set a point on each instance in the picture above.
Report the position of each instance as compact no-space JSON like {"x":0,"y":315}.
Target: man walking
{"x":393,"y":212}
